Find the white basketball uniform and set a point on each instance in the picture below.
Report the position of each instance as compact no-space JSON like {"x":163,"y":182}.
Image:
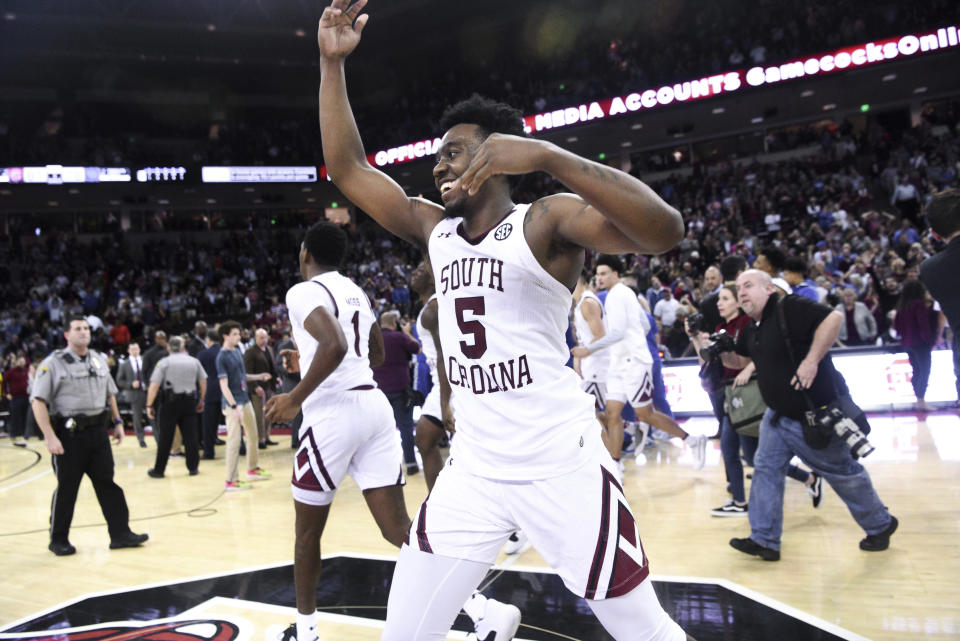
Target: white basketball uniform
{"x":528,"y":453}
{"x":593,"y":368}
{"x":348,"y":424}
{"x":630,"y":373}
{"x":431,"y":406}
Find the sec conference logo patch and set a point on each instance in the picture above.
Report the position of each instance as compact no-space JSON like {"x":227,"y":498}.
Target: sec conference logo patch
{"x":503,"y":231}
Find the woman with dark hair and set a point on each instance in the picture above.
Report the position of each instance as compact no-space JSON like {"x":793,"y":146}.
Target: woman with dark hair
{"x":916,"y":322}
{"x":731,"y":442}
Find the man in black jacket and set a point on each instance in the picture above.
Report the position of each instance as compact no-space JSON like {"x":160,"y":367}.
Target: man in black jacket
{"x":784,"y":383}
{"x":939,"y":272}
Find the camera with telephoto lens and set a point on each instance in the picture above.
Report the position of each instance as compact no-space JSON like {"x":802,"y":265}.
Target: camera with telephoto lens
{"x":847,"y":430}
{"x":722,"y":342}
{"x":696,"y":323}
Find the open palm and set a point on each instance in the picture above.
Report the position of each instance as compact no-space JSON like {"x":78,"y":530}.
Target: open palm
{"x":340,"y":28}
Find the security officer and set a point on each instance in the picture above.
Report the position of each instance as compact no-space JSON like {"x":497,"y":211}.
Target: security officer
{"x":70,"y":396}
{"x":181,"y":384}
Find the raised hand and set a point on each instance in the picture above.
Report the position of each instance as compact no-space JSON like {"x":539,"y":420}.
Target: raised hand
{"x":340,"y":28}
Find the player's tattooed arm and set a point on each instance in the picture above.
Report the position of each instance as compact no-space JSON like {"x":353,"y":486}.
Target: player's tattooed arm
{"x":609,"y":211}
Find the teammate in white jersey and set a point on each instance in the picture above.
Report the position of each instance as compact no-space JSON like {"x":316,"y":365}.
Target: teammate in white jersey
{"x":630,"y":374}
{"x":588,"y":323}
{"x":348,"y":424}
{"x":436,"y":414}
{"x":527,"y":453}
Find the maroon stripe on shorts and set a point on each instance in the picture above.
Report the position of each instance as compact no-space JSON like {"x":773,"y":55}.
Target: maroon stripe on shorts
{"x":361,"y":387}
{"x":422,"y":530}
{"x":323,"y":469}
{"x":597,"y":565}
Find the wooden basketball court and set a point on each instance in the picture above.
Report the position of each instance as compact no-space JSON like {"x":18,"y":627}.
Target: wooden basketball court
{"x":911,"y":591}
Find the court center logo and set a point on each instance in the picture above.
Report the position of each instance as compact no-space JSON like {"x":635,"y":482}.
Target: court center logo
{"x":503,"y":231}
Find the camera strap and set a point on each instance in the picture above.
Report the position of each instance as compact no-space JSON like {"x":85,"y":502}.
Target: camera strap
{"x":785,"y":330}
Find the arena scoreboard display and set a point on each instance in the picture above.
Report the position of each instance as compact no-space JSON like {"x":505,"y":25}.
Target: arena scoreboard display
{"x":60,"y":175}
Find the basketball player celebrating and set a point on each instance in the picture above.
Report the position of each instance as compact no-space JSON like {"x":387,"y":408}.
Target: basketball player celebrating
{"x":630,"y":376}
{"x":504,"y":273}
{"x":338,"y":338}
{"x":436,"y":414}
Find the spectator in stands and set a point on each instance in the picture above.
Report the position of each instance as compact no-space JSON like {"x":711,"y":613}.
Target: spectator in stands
{"x":860,"y":327}
{"x":906,"y":198}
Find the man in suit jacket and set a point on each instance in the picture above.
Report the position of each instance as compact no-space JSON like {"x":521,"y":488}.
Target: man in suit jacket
{"x":287,"y":366}
{"x":258,"y":359}
{"x":198,"y":340}
{"x":153,"y":355}
{"x":212,"y":412}
{"x":130,"y":380}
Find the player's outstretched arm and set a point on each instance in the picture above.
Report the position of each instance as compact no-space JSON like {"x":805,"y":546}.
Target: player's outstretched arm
{"x":370,"y":189}
{"x":611,"y":211}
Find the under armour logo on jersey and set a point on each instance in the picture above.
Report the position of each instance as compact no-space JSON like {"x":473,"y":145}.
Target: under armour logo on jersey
{"x":445,"y":234}
{"x":503,"y":231}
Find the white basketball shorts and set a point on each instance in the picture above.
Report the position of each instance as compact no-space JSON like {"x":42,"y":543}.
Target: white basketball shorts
{"x":355,"y":434}
{"x":431,"y":407}
{"x":631,"y":384}
{"x":579,"y":522}
{"x":596,"y":388}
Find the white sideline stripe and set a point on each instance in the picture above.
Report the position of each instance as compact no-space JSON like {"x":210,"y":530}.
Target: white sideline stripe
{"x":25,"y":481}
{"x":772,"y":603}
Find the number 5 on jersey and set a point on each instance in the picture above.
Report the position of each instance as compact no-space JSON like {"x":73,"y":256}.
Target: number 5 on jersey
{"x":475,"y":306}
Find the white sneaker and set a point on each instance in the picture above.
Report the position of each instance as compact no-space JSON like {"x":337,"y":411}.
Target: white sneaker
{"x":643,"y":433}
{"x":515,"y":543}
{"x":280,"y":632}
{"x":498,"y":623}
{"x":698,"y":447}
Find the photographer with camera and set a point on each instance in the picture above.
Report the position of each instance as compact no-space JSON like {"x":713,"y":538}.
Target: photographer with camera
{"x":808,"y":409}
{"x":716,"y":378}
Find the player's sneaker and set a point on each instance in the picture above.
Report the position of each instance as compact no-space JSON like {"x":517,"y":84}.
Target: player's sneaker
{"x":656,"y":434}
{"x":698,"y":447}
{"x":280,"y":633}
{"x":642,"y":435}
{"x":258,"y":474}
{"x":498,"y":623}
{"x":815,"y":490}
{"x":515,"y":543}
{"x":236,"y":486}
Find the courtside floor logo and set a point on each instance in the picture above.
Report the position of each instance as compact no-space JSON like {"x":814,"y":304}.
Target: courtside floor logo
{"x":259,"y":603}
{"x":176,"y":629}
